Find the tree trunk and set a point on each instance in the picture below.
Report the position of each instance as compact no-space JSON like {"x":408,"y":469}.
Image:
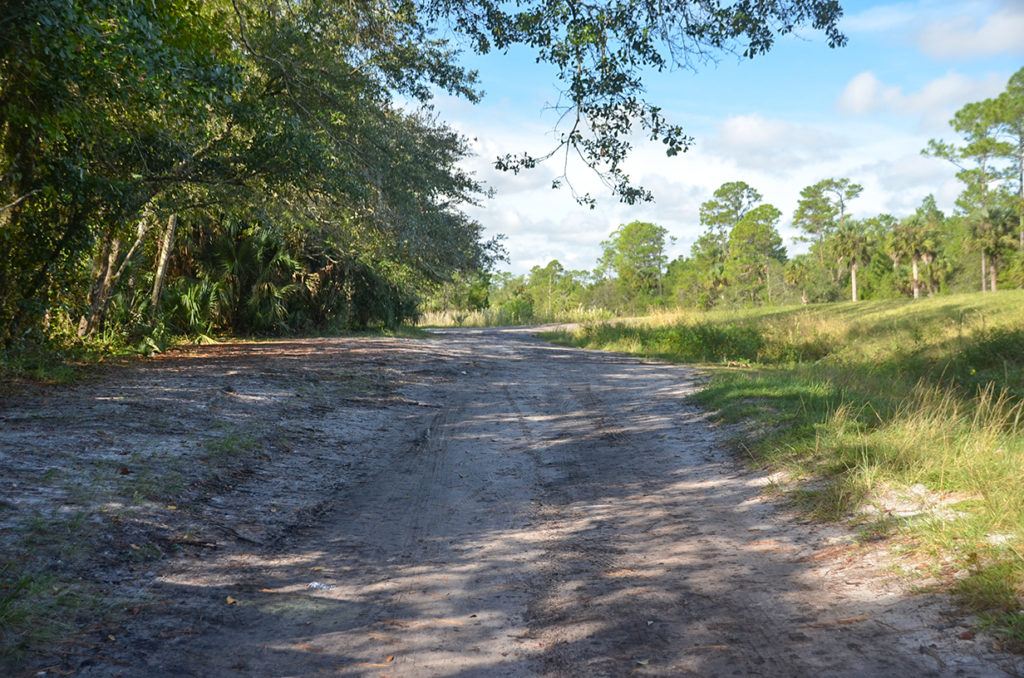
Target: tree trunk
{"x":99,"y":304}
{"x":916,"y":281}
{"x":552,"y":275}
{"x":853,"y":280}
{"x":101,"y":288}
{"x":161,"y":267}
{"x":983,"y":273}
{"x":992,"y":275}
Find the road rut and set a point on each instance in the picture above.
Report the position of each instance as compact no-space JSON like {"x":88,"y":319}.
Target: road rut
{"x":522,"y":509}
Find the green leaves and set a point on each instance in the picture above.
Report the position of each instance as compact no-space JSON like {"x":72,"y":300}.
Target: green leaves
{"x":636,"y":253}
{"x":601,"y":52}
{"x":299,"y":116}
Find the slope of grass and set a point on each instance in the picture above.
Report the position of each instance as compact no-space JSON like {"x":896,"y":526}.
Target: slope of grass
{"x":872,"y":397}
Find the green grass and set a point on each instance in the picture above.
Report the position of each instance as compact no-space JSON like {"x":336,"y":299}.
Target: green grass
{"x":41,"y":600}
{"x":865,"y":399}
{"x":232,"y":443}
{"x":35,"y":609}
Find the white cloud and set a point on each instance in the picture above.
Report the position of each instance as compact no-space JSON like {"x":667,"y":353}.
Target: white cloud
{"x":900,"y":182}
{"x":755,"y":142}
{"x":866,"y":94}
{"x":935,"y":101}
{"x":545,"y":224}
{"x":964,"y":36}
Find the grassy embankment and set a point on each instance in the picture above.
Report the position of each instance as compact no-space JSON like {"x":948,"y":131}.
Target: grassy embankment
{"x":856,"y":402}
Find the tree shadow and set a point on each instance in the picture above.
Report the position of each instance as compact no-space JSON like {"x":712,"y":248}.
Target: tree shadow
{"x":560,"y":513}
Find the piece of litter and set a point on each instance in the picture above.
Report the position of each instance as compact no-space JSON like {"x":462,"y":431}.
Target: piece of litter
{"x":643,"y":662}
{"x":318,"y":585}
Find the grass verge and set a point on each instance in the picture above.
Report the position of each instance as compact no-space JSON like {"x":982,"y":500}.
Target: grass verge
{"x":871,"y":401}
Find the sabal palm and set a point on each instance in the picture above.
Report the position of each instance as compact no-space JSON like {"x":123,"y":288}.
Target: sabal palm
{"x":258,"y":276}
{"x":851,"y":245}
{"x":914,"y":239}
{"x":991,"y":231}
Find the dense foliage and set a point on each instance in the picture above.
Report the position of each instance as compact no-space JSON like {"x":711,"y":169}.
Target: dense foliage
{"x":252,"y":166}
{"x":205,"y":166}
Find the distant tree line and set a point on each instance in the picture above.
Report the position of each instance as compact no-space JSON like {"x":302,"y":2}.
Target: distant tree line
{"x":739,"y":258}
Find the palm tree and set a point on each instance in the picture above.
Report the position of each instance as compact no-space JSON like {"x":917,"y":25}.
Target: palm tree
{"x":851,"y":245}
{"x":257,"y":275}
{"x":798,"y":273}
{"x":914,"y":238}
{"x":991,"y":231}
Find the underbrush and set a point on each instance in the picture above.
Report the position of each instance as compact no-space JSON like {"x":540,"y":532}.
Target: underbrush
{"x":864,"y":398}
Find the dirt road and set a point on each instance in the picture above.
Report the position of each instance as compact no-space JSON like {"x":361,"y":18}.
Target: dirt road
{"x":476,"y":504}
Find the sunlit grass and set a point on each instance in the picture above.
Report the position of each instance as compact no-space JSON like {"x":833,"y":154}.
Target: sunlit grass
{"x":859,"y":400}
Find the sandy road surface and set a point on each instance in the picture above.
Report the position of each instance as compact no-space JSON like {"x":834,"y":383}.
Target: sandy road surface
{"x":510,"y":509}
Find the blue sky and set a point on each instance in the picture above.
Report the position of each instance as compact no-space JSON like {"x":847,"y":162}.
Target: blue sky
{"x":780,"y":122}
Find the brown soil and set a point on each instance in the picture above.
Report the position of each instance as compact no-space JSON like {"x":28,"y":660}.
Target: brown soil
{"x":474,"y":504}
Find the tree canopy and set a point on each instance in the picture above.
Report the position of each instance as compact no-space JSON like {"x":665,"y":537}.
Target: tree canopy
{"x":143,"y":141}
{"x":636,"y":253}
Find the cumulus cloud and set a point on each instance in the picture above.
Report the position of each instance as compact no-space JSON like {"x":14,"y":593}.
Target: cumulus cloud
{"x":936,"y":101}
{"x":963,"y":36}
{"x":755,"y":142}
{"x":543,"y":225}
{"x":904,"y":180}
{"x":866,"y":94}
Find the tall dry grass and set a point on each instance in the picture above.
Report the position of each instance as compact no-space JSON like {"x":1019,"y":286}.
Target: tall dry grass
{"x":871,"y":399}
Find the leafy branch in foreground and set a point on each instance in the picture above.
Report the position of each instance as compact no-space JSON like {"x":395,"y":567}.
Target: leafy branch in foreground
{"x":604,"y":49}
